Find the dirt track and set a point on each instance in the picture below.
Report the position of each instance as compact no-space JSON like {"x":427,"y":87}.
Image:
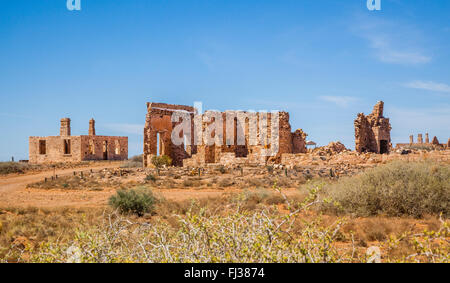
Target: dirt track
{"x":14,"y":192}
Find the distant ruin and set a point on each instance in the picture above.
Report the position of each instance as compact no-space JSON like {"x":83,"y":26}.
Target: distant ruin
{"x":159,"y":128}
{"x":420,"y":142}
{"x":373,"y":132}
{"x":68,"y":148}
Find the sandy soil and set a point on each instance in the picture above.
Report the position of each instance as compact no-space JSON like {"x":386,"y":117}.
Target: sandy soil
{"x":14,"y":191}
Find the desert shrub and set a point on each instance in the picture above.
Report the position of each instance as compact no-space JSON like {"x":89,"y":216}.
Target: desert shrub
{"x":139,"y":201}
{"x":214,"y":234}
{"x":12,"y":167}
{"x":150,"y":178}
{"x":395,"y":189}
{"x":160,"y":161}
{"x":69,"y":183}
{"x":222,"y":169}
{"x":200,"y":236}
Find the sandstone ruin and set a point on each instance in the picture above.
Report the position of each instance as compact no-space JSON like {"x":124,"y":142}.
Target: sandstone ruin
{"x":159,"y":127}
{"x":67,"y":148}
{"x":434,"y":142}
{"x":373,"y":132}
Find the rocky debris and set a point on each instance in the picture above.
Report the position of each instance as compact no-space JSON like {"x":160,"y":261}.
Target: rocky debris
{"x":331,"y":148}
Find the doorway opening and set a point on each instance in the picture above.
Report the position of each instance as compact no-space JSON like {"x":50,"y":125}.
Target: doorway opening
{"x":105,"y":150}
{"x":384,"y":146}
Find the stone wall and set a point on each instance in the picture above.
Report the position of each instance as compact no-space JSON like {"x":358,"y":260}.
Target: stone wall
{"x":373,"y":132}
{"x":67,"y":148}
{"x":54,"y":149}
{"x":104,"y":148}
{"x":159,"y":126}
{"x":227,"y":150}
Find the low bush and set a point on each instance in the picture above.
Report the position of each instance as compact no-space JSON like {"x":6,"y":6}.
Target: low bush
{"x":69,"y":183}
{"x":139,"y":201}
{"x":12,"y":167}
{"x":160,"y":161}
{"x":150,"y":178}
{"x":394,"y":189}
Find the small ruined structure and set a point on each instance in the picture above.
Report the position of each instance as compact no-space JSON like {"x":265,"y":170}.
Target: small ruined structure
{"x":373,"y":132}
{"x":68,"y":148}
{"x":434,"y":142}
{"x":160,"y":128}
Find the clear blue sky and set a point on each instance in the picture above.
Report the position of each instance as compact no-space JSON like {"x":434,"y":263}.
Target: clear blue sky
{"x":322,"y":60}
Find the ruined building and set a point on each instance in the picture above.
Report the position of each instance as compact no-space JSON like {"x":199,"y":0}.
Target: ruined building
{"x":373,"y":132}
{"x":160,"y":125}
{"x":68,"y":148}
{"x":434,"y":142}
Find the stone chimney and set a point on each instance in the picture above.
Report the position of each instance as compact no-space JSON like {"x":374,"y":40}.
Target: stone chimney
{"x":419,"y":138}
{"x":92,"y":127}
{"x":427,"y":139}
{"x":65,"y":127}
{"x":411,"y":139}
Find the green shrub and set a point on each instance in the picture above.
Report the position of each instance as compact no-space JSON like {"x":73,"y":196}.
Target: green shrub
{"x":139,"y":201}
{"x":160,"y":161}
{"x":150,"y":178}
{"x":222,"y":169}
{"x":395,"y":189}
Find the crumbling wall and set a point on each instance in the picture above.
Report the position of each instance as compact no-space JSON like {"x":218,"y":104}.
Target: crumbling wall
{"x":434,"y":143}
{"x":299,"y":141}
{"x":251,"y":151}
{"x":104,"y":148}
{"x":373,"y":132}
{"x":159,"y":126}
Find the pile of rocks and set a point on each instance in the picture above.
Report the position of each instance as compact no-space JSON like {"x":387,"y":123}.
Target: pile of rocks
{"x":331,"y":148}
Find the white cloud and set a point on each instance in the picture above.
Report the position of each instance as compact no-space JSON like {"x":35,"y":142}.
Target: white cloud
{"x":386,"y":52}
{"x":393,"y":42}
{"x":135,"y":129}
{"x":342,"y":101}
{"x":428,"y":85}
